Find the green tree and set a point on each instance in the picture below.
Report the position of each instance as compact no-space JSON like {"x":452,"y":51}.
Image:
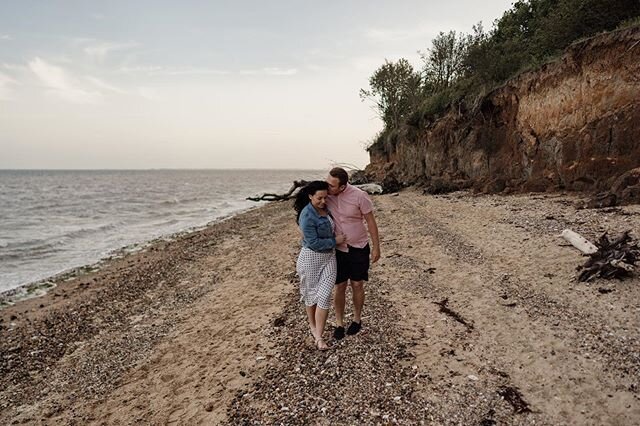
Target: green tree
{"x":444,"y":61}
{"x":395,"y":89}
{"x":569,"y":20}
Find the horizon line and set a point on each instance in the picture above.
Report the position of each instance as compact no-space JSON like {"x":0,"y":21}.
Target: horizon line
{"x":155,"y":168}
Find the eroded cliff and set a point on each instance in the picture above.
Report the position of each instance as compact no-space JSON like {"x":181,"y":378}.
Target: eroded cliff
{"x":572,"y":124}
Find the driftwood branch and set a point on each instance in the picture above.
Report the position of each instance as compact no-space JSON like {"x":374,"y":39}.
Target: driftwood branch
{"x":579,"y":242}
{"x":280,"y":197}
{"x":614,"y":259}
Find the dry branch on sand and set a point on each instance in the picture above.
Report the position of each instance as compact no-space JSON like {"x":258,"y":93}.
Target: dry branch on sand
{"x":614,"y":258}
{"x":280,"y":197}
{"x":369,"y":188}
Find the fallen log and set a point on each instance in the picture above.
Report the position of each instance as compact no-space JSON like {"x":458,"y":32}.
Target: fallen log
{"x":369,"y":188}
{"x":280,"y":197}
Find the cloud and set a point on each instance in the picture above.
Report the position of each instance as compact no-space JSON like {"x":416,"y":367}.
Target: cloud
{"x":99,"y":51}
{"x":14,"y":67}
{"x":316,"y":67}
{"x":140,"y":69}
{"x":101,"y":84}
{"x":195,"y":71}
{"x":279,"y":71}
{"x":270,"y":71}
{"x":59,"y":83}
{"x":423,"y":32}
{"x":5,"y":89}
{"x":148,"y":93}
{"x":6,"y":37}
{"x":158,"y":70}
{"x":164,"y":71}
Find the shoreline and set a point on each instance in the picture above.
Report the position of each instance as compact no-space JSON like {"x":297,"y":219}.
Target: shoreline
{"x":85,"y":336}
{"x":208,"y":328}
{"x":42,"y":286}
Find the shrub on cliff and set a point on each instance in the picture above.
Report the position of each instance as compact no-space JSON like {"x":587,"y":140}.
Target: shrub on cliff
{"x":459,"y":69}
{"x":533,"y":31}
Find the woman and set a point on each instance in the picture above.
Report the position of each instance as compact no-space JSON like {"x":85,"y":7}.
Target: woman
{"x":316,"y":264}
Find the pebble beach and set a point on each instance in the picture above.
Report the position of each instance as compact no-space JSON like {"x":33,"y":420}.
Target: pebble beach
{"x":473,"y":316}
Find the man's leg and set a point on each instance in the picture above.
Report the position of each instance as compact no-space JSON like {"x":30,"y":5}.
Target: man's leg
{"x":358,"y":299}
{"x":339,"y":302}
{"x":357,"y":287}
{"x":359,"y":274}
{"x":342,"y":278}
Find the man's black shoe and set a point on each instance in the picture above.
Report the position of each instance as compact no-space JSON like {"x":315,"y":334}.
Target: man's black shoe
{"x":354,"y":327}
{"x":338,"y":333}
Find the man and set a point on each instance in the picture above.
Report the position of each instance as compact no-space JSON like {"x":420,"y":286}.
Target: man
{"x":350,"y":208}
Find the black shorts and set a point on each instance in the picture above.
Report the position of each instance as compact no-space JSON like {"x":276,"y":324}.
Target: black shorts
{"x":353,"y":265}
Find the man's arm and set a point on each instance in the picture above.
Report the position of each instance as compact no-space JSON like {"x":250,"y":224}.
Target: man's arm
{"x":375,"y":239}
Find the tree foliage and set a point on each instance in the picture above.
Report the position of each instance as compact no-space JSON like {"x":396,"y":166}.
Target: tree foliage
{"x":394,"y":90}
{"x":444,"y":62}
{"x":458,"y":68}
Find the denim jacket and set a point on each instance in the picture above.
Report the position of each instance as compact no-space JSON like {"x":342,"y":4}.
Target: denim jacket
{"x":316,"y":230}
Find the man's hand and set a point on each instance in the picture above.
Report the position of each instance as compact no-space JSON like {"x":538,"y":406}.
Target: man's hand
{"x":375,"y":239}
{"x":375,"y":254}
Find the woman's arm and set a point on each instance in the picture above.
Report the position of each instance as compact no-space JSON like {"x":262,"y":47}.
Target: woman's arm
{"x":310,"y":232}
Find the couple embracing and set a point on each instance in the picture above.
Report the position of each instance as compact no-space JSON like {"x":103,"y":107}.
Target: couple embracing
{"x":334,"y":217}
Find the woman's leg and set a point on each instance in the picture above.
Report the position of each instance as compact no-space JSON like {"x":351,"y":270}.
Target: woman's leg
{"x":311,"y":316}
{"x":317,"y":319}
{"x":325,"y":288}
{"x":321,"y":321}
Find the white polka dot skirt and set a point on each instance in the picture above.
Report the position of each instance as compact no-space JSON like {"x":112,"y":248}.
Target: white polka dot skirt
{"x":317,"y":272}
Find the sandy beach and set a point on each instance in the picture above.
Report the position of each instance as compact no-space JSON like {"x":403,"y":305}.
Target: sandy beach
{"x":473,"y":316}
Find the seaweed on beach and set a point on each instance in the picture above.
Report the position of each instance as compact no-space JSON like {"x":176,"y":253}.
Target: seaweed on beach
{"x":448,"y":311}
{"x":513,"y":396}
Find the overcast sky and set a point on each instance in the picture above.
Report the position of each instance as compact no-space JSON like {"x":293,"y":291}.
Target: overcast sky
{"x":204,"y":84}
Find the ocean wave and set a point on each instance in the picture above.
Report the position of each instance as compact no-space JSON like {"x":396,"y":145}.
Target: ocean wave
{"x":169,"y":202}
{"x":33,"y":248}
{"x":166,"y":223}
{"x":43,"y":246}
{"x":176,"y":200}
{"x":48,"y":206}
{"x":199,"y":211}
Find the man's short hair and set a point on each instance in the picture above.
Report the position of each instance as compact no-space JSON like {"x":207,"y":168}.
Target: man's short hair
{"x":341,"y":174}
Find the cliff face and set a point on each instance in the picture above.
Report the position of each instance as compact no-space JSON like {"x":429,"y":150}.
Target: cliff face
{"x":573,"y":124}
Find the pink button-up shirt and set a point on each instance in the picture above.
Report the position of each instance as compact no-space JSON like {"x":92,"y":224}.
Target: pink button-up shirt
{"x":348,"y":209}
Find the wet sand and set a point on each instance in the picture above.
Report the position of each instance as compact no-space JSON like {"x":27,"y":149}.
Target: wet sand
{"x":473,"y":316}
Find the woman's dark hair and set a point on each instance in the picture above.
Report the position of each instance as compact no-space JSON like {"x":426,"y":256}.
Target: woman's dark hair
{"x":302,"y":198}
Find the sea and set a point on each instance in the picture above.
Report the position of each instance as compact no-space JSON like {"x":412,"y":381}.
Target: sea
{"x":52,"y":221}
